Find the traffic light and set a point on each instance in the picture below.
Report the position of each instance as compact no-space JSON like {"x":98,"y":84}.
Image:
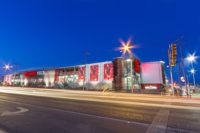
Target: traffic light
{"x":174,"y":55}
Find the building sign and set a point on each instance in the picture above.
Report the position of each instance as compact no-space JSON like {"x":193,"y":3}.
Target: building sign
{"x":81,"y":73}
{"x":94,"y":70}
{"x":40,"y":73}
{"x":108,"y":71}
{"x":30,"y":74}
{"x":150,"y":87}
{"x":136,"y":65}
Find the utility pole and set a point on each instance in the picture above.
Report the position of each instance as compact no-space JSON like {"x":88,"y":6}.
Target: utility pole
{"x":183,"y":69}
{"x":182,"y":63}
{"x":86,"y":54}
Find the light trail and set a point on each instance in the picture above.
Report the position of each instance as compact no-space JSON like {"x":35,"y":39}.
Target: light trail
{"x":78,"y":96}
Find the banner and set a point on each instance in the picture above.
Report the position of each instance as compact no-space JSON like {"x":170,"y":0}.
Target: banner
{"x":30,"y":74}
{"x":137,"y":66}
{"x":81,"y":73}
{"x":108,"y":71}
{"x":94,"y":70}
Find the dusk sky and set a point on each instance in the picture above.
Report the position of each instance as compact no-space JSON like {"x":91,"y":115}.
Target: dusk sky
{"x":48,"y":33}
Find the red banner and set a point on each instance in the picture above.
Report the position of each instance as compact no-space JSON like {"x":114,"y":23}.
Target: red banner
{"x":81,"y":73}
{"x":137,"y":65}
{"x":30,"y":74}
{"x":56,"y":75}
{"x":94,"y":70}
{"x":108,"y":71}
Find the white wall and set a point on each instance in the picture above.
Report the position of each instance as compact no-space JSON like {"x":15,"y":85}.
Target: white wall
{"x":100,"y":74}
{"x":49,"y":77}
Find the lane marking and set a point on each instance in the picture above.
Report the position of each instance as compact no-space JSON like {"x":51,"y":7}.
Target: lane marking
{"x":159,"y":124}
{"x":19,"y":111}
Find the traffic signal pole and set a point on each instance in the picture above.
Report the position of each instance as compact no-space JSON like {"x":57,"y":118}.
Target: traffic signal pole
{"x":170,"y":67}
{"x":172,"y":82}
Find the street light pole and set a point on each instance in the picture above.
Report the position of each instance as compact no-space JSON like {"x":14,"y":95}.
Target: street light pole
{"x":84,"y":79}
{"x":172,"y":82}
{"x":193,"y":72}
{"x":191,"y":59}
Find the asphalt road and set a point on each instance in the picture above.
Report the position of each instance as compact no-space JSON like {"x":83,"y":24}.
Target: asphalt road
{"x":37,"y":114}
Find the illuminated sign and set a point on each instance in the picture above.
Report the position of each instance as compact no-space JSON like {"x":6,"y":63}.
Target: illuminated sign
{"x":151,"y":87}
{"x":30,"y":74}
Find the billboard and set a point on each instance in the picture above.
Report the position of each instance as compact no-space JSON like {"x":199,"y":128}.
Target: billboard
{"x":81,"y":73}
{"x":152,"y":73}
{"x":94,"y":70}
{"x":108,"y":71}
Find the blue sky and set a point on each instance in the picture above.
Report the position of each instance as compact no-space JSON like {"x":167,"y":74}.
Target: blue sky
{"x":43,"y":33}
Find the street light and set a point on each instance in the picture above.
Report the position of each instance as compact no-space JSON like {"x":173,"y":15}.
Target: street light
{"x":192,"y":71}
{"x":126,"y":46}
{"x":191,"y":59}
{"x":7,"y":67}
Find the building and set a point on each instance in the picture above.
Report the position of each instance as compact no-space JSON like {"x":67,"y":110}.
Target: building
{"x":120,"y":74}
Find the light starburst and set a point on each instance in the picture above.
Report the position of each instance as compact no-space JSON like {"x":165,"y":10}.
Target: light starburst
{"x":126,"y":46}
{"x":7,"y":66}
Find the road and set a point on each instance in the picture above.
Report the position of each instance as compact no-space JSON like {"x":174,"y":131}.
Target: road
{"x":26,"y":110}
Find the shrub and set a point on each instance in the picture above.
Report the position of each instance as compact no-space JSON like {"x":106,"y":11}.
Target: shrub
{"x":89,"y":86}
{"x":103,"y":86}
{"x":73,"y":85}
{"x":58,"y":85}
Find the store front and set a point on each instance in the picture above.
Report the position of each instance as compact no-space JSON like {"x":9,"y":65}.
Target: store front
{"x":132,"y":78}
{"x":67,"y":75}
{"x":127,"y":74}
{"x":34,"y":78}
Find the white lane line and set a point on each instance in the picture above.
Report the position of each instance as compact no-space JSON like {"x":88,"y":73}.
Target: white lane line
{"x":159,"y":124}
{"x":19,"y":111}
